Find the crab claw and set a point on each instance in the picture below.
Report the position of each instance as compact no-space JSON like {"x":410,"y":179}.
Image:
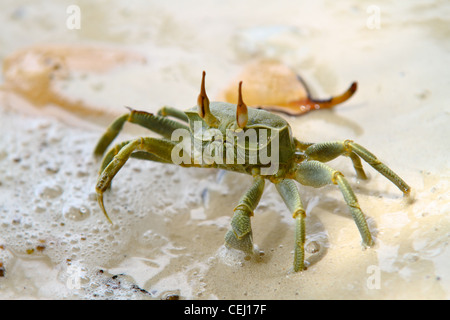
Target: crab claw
{"x":241,"y":110}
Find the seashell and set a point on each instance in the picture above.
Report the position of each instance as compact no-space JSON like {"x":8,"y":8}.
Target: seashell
{"x":271,"y":85}
{"x":32,"y":72}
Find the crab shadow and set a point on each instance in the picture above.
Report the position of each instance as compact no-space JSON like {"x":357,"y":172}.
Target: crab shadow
{"x":316,"y":244}
{"x":272,"y":224}
{"x":317,"y":207}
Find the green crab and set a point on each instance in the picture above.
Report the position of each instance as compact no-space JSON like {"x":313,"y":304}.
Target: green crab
{"x":213,"y":129}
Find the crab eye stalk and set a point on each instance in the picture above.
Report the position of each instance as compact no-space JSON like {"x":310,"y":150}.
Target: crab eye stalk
{"x":241,"y":110}
{"x":203,"y":105}
{"x":203,"y":101}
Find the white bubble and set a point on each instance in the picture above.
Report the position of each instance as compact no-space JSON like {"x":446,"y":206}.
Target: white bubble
{"x":48,"y":191}
{"x":76,"y":212}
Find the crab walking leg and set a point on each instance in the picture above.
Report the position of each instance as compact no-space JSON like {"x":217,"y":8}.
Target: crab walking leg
{"x":158,"y":124}
{"x":357,"y":165}
{"x":111,"y":154}
{"x":240,"y":235}
{"x":172,"y":112}
{"x":329,"y":150}
{"x":143,"y":155}
{"x":317,"y":174}
{"x":289,"y":192}
{"x":159,"y":147}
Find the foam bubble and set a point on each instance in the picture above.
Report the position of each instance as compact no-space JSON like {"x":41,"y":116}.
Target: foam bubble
{"x":231,"y":257}
{"x":48,"y":191}
{"x":75,"y":211}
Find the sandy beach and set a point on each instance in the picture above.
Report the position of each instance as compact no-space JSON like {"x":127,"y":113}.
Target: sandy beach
{"x":169,"y":222}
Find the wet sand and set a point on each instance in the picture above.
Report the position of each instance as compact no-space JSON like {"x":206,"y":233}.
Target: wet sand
{"x":169,"y":222}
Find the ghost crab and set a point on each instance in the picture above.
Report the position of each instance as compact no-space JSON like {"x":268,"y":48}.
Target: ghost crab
{"x":295,"y":160}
